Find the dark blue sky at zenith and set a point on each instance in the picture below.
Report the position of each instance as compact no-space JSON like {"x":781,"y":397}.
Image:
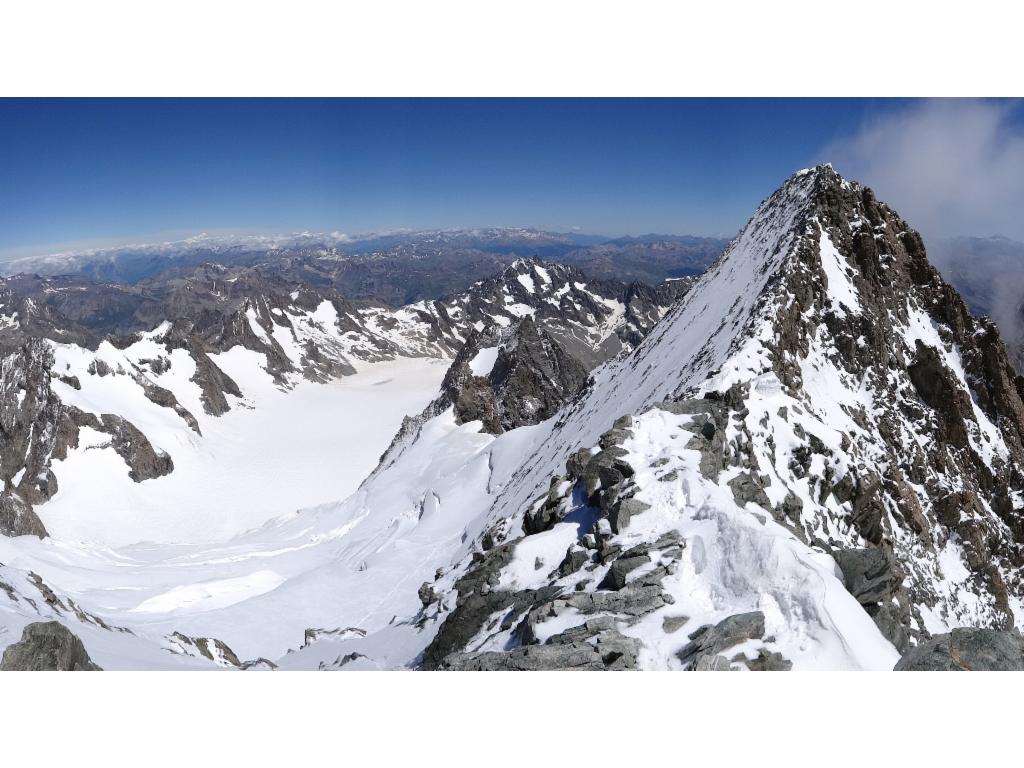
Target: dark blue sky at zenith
{"x":97,"y":172}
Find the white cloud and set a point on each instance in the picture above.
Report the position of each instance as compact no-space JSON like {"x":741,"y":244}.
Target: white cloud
{"x":949,"y":166}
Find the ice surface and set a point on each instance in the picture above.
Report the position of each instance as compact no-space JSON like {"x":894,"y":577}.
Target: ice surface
{"x":285,"y":451}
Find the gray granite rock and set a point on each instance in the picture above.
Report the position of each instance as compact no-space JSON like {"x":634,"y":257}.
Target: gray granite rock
{"x":967,"y":650}
{"x":47,"y":646}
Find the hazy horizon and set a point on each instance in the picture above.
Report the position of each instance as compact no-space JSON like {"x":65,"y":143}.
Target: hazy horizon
{"x":105,"y":173}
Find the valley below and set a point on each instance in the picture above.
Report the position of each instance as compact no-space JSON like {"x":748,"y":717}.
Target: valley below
{"x":274,"y":454}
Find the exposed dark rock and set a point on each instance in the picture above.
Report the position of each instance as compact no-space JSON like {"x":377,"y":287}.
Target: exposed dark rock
{"x":478,"y":600}
{"x":746,"y":488}
{"x":575,"y":558}
{"x":868,"y":509}
{"x":259,"y":664}
{"x":312,"y":635}
{"x":17,"y":518}
{"x":616,"y":577}
{"x":544,"y":516}
{"x":631,"y":600}
{"x":869,"y":575}
{"x":604,"y":470}
{"x":426,"y":594}
{"x":691,"y":406}
{"x":937,"y":387}
{"x":613,"y":437}
{"x":166,"y":399}
{"x":672,"y":624}
{"x":768,"y":661}
{"x":143,"y":460}
{"x":712,"y":663}
{"x":790,"y":509}
{"x":531,"y":378}
{"x":709,"y":440}
{"x":624,"y":511}
{"x":967,"y":649}
{"x":577,"y":463}
{"x":713,"y":640}
{"x":209,"y":648}
{"x":213,"y":383}
{"x":47,"y":646}
{"x":609,"y":651}
{"x":31,"y":416}
{"x":49,"y":596}
{"x":594,"y":644}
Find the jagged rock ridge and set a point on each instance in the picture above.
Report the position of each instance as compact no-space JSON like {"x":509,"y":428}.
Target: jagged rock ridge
{"x":835,"y":394}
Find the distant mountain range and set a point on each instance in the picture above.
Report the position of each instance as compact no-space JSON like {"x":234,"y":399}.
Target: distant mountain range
{"x":395,"y":267}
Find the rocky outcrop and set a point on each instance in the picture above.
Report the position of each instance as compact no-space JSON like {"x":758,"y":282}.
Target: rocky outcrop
{"x":708,"y":645}
{"x":166,"y":399}
{"x":213,"y":383}
{"x":529,"y":380}
{"x":313,"y":634}
{"x":606,"y":650}
{"x":874,"y":578}
{"x":17,"y":518}
{"x":30,"y":414}
{"x":478,"y":600}
{"x":47,"y":646}
{"x":144,"y":461}
{"x":209,"y":648}
{"x":629,"y":588}
{"x":967,"y":650}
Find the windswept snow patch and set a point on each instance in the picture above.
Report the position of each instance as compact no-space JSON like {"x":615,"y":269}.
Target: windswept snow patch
{"x":483,"y":361}
{"x":841,"y":290}
{"x":209,"y":595}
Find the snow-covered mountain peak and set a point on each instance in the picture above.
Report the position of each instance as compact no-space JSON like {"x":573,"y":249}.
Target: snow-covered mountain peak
{"x":842,"y":418}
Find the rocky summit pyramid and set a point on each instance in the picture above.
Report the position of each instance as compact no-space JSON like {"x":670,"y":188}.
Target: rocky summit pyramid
{"x":810,"y":461}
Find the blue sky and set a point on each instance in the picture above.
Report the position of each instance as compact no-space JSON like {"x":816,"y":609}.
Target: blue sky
{"x":94,"y":172}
